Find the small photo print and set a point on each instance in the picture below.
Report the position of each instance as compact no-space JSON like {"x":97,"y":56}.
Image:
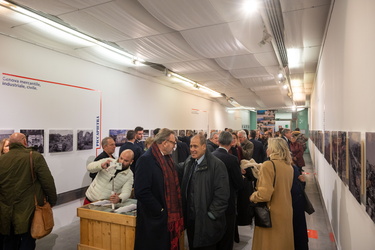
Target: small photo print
{"x":85,"y":139}
{"x":146,"y":134}
{"x":60,"y":141}
{"x":354,"y":139}
{"x":370,"y":175}
{"x":35,"y":138}
{"x":118,"y":135}
{"x":6,"y":133}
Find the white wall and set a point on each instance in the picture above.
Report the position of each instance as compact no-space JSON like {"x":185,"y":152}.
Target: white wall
{"x":342,"y":101}
{"x":127,"y":101}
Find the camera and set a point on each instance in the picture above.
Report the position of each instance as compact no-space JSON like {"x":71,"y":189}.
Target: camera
{"x":116,"y":165}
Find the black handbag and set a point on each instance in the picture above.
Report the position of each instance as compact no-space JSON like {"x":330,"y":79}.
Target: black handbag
{"x":308,"y":206}
{"x":262,"y":212}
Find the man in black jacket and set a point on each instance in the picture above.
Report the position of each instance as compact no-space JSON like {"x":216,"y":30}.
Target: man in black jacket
{"x":259,"y":154}
{"x":205,"y":193}
{"x":235,"y":183}
{"x":109,"y":147}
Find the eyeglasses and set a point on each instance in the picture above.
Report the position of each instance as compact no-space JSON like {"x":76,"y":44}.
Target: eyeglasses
{"x":173,"y":142}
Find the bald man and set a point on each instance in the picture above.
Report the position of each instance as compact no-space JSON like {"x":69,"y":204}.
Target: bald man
{"x":17,"y":192}
{"x":101,"y":187}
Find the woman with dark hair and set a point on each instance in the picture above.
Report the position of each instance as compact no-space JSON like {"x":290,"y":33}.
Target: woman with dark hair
{"x":236,"y":149}
{"x":297,"y":153}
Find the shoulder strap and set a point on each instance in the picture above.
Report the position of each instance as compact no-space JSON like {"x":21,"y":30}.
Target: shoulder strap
{"x":274,"y":168}
{"x":32,"y":175}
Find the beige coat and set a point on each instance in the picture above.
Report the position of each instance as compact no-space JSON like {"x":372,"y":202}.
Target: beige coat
{"x":280,"y":236}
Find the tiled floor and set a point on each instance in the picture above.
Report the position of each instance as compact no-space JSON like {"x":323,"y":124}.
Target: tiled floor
{"x":320,"y":233}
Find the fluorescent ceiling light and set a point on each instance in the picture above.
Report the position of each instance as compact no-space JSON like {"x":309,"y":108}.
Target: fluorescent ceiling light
{"x":294,"y":57}
{"x":250,"y":6}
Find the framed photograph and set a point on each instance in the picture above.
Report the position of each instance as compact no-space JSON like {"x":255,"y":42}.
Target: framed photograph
{"x":146,"y":134}
{"x":6,"y":133}
{"x":355,"y":162}
{"x":118,"y":135}
{"x":35,"y":138}
{"x":60,"y":140}
{"x":342,"y":156}
{"x":327,"y":146}
{"x":85,"y":139}
{"x":370,"y":175}
{"x":334,"y":151}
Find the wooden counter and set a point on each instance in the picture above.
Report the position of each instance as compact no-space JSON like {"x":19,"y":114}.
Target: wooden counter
{"x":101,"y":228}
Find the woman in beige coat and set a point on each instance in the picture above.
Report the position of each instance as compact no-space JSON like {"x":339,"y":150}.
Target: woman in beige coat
{"x":280,"y":235}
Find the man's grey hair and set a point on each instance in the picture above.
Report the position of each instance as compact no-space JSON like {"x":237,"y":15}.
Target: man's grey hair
{"x":285,"y":130}
{"x":163,"y":135}
{"x":242,"y":132}
{"x":105,"y":140}
{"x":213,"y":134}
{"x":225,"y":138}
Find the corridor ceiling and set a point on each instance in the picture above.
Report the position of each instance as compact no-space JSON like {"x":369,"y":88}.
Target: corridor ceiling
{"x":215,"y":43}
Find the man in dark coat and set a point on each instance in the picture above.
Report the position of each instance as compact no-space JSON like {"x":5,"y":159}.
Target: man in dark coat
{"x":109,"y":147}
{"x":138,"y":138}
{"x":130,"y":144}
{"x":213,"y":142}
{"x":235,"y":183}
{"x":205,"y":189}
{"x":17,"y":192}
{"x":157,"y":189}
{"x":259,"y":154}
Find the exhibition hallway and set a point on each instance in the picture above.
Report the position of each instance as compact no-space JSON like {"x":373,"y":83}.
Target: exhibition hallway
{"x":320,"y":232}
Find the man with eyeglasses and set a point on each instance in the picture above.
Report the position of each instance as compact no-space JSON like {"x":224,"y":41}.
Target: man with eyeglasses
{"x":157,"y":189}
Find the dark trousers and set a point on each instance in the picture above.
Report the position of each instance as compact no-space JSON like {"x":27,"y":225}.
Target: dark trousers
{"x":19,"y":242}
{"x":190,"y":229}
{"x":226,"y":243}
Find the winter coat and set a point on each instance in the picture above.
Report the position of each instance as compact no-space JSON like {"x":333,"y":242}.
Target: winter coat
{"x":152,"y":215}
{"x":211,"y":194}
{"x":279,"y":199}
{"x":101,"y":187}
{"x":297,"y":154}
{"x":17,"y":191}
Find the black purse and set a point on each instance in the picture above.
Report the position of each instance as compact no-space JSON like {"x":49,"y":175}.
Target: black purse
{"x":308,"y":206}
{"x":262,"y":212}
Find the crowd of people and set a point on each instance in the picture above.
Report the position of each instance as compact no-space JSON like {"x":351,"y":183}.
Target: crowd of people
{"x":206,"y":186}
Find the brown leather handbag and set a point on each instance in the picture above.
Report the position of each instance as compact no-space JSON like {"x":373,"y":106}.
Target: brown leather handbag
{"x":42,"y":223}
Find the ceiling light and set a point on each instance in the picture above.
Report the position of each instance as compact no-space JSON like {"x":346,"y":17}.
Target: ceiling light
{"x":294,"y":58}
{"x":250,"y":6}
{"x":285,"y":86}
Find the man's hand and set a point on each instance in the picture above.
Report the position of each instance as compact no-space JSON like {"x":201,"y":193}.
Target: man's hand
{"x":105,"y":165}
{"x":114,"y":198}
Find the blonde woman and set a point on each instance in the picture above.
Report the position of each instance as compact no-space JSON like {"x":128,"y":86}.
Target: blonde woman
{"x":4,"y":146}
{"x":278,"y":198}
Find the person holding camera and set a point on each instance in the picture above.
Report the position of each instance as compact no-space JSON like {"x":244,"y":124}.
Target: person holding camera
{"x":110,"y":170}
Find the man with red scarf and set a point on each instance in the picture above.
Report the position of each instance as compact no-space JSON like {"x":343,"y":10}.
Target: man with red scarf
{"x":157,"y":189}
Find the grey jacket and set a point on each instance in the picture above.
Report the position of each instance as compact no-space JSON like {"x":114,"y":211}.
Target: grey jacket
{"x":211,"y":194}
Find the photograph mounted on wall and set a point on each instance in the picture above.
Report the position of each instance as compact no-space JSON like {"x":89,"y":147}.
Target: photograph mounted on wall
{"x":60,"y":140}
{"x":334,"y":150}
{"x":327,"y":146}
{"x":341,"y":156}
{"x":85,"y":139}
{"x":146,"y":134}
{"x":320,"y":141}
{"x":370,"y":175}
{"x":354,"y":154}
{"x":35,"y":138}
{"x":6,"y":133}
{"x":118,"y":135}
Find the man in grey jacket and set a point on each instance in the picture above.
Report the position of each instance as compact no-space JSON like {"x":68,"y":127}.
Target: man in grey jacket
{"x":205,"y":193}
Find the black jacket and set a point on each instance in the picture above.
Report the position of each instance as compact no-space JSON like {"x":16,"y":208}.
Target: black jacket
{"x":211,"y":194}
{"x":234,"y":174}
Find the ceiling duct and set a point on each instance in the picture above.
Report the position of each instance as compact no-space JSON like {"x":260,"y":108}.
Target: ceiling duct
{"x":274,"y":14}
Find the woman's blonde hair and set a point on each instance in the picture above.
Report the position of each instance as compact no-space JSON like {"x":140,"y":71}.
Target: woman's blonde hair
{"x":279,"y":149}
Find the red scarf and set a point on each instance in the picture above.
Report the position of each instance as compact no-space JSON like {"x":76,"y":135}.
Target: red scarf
{"x":172,"y":194}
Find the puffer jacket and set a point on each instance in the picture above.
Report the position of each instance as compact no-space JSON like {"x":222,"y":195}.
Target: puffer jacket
{"x":17,"y":190}
{"x":211,"y":194}
{"x":101,"y":187}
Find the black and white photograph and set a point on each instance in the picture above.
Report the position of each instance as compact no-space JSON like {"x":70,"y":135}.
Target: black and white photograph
{"x":85,"y":139}
{"x":327,"y":146}
{"x":118,"y":135}
{"x":370,"y":175}
{"x":334,"y":150}
{"x":5,"y":133}
{"x":342,"y":156}
{"x":354,"y":139}
{"x":146,"y":134}
{"x":320,"y":141}
{"x":60,"y":140}
{"x":35,"y":138}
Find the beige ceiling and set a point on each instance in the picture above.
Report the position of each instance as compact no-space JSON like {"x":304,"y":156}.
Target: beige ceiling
{"x":212,"y":42}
